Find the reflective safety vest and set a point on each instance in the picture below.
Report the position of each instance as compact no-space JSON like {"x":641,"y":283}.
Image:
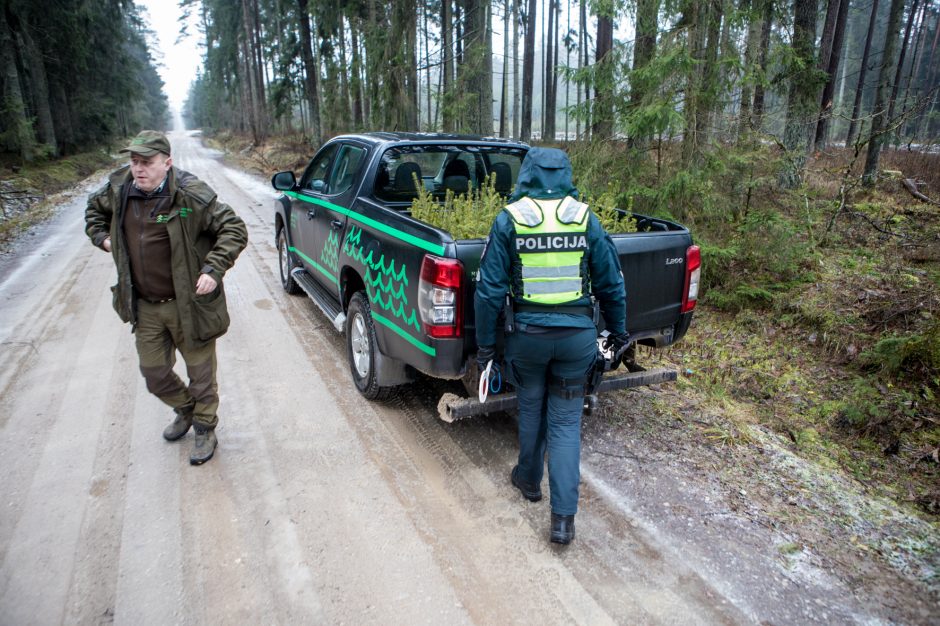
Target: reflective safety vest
{"x":550,"y":243}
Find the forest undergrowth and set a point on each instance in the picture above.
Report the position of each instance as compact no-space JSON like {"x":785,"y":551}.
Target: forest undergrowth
{"x":818,"y":326}
{"x":820,"y":307}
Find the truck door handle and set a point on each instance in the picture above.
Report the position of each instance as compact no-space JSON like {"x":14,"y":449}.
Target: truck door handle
{"x":311,"y":213}
{"x":336,"y":224}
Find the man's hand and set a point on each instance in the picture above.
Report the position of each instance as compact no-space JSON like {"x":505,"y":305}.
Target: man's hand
{"x":205,"y":284}
{"x":106,"y":244}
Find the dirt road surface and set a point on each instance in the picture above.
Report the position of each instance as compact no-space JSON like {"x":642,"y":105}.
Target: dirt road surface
{"x":319,"y":507}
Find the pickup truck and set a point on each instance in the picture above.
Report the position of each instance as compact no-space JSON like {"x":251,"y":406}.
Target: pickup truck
{"x":402,"y":289}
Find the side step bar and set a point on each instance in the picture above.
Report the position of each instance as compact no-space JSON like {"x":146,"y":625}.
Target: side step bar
{"x":452,"y":407}
{"x":320,"y":297}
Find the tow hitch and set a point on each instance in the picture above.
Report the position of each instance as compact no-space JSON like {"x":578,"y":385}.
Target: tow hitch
{"x":452,"y":407}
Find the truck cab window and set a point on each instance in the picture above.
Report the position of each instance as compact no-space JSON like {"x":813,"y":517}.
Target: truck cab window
{"x":315,"y":176}
{"x":348,"y":160}
{"x":442,"y":168}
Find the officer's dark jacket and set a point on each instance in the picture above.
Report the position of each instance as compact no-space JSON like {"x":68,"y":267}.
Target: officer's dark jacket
{"x":206,"y":236}
{"x":546,"y":174}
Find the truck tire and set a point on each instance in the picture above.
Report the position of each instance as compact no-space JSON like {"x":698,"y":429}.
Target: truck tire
{"x":285,"y":263}
{"x":361,"y":347}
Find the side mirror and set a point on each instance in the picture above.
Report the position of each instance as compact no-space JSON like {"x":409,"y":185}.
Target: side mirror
{"x":284,"y":181}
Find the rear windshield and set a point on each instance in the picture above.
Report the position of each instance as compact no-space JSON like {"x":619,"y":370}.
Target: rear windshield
{"x":405,"y":169}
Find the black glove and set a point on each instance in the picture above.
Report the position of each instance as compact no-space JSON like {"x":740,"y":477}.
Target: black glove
{"x":618,"y":345}
{"x":485,"y":354}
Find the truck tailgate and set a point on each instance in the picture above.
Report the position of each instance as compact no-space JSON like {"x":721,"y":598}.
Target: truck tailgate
{"x":653,"y":265}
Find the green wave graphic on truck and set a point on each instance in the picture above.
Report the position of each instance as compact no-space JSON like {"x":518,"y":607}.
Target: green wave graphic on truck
{"x":385,"y":285}
{"x":330,"y":254}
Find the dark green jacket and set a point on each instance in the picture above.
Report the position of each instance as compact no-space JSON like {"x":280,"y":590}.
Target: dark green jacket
{"x":496,"y":271}
{"x":206,"y":236}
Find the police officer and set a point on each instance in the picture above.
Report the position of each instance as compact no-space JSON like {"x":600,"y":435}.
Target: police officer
{"x":550,"y":254}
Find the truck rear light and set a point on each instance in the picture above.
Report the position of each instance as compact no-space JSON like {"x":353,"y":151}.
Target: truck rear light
{"x":439,"y":301}
{"x":693,"y":271}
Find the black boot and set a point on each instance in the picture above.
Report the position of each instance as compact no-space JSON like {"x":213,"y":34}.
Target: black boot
{"x":562,"y":528}
{"x":204,"y":446}
{"x":530,"y":492}
{"x":180,"y":426}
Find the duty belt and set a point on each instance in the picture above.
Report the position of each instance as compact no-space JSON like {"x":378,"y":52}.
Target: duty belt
{"x":584,"y":309}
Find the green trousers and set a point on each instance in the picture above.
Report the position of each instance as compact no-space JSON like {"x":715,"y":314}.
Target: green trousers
{"x":159,"y":336}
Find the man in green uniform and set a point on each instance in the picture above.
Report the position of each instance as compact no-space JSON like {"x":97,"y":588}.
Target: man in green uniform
{"x":172,"y":242}
{"x":550,"y":254}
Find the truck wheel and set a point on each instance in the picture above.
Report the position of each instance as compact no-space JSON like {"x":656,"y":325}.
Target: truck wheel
{"x":285,"y":263}
{"x":361,"y":348}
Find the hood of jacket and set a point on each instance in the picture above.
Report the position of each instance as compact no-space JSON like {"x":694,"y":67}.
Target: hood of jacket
{"x":545,"y":174}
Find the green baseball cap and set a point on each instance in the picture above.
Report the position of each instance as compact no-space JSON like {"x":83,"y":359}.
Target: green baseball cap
{"x":148,"y":143}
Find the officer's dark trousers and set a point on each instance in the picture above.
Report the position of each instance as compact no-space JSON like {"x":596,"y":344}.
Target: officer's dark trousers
{"x":159,"y":335}
{"x":548,"y":421}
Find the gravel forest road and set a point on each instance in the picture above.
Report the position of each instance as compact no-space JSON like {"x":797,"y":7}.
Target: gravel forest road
{"x":319,"y":507}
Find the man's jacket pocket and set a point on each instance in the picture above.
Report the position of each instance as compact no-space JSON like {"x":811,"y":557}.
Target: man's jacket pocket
{"x":119,"y":302}
{"x":210,"y":315}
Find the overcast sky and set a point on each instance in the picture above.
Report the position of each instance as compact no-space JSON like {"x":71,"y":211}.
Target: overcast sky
{"x":179,"y":60}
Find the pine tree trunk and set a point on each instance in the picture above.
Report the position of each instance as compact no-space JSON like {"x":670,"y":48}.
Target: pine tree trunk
{"x":251,"y":75}
{"x":410,"y":59}
{"x":556,"y":44}
{"x":604,"y":88}
{"x":589,"y":108}
{"x":62,"y":119}
{"x":528,"y":72}
{"x":548,"y":67}
{"x":710,"y":74}
{"x":832,"y":70}
{"x":447,"y":48}
{"x":427,"y":66}
{"x":750,"y":52}
{"x":504,"y":85}
{"x":644,"y":47}
{"x":696,"y":16}
{"x":860,"y":89}
{"x":311,"y":72}
{"x":516,"y":75}
{"x":899,"y":73}
{"x":343,"y":75}
{"x":828,"y":34}
{"x":568,"y":67}
{"x":356,"y":77}
{"x":478,"y":67}
{"x":400,"y":93}
{"x":39,"y":88}
{"x":803,"y":96}
{"x":880,"y":120}
{"x":914,"y":73}
{"x":332,"y":112}
{"x":258,"y":48}
{"x":19,"y":132}
{"x":757,"y":114}
{"x":375,"y":62}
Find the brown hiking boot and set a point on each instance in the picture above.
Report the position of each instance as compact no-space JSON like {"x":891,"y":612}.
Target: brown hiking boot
{"x":179,"y":426}
{"x":204,"y":447}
